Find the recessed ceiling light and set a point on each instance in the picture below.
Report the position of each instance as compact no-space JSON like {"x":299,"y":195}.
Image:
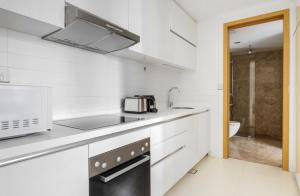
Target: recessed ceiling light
{"x":250,"y":51}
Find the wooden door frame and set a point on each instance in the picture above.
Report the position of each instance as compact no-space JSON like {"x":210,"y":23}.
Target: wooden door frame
{"x":279,"y":15}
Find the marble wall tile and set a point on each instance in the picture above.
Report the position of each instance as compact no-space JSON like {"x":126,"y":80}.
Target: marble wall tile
{"x":268,"y":90}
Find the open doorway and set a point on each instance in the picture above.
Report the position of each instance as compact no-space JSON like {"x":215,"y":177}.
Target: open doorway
{"x":256,"y":65}
{"x":256,"y":59}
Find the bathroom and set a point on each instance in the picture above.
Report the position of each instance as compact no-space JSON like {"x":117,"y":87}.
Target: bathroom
{"x":256,"y":93}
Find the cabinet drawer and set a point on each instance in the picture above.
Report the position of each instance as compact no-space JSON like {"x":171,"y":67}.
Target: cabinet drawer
{"x":162,"y":132}
{"x":166,"y":173}
{"x":165,"y":149}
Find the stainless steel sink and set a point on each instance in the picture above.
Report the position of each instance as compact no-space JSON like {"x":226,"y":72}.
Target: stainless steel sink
{"x":182,"y":108}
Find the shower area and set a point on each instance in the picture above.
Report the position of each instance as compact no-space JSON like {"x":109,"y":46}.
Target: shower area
{"x":256,"y":106}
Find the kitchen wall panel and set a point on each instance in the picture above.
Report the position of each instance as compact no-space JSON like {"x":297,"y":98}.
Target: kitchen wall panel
{"x":83,"y":83}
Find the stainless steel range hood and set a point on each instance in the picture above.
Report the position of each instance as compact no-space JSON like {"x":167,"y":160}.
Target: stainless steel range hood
{"x":89,"y":32}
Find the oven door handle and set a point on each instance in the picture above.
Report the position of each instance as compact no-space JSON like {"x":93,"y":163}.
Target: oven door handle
{"x":124,"y":170}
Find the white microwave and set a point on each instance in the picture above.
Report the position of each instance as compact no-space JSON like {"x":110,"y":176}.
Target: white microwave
{"x":24,"y":110}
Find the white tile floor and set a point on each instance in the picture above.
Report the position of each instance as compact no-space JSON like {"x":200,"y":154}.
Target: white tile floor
{"x":218,"y":177}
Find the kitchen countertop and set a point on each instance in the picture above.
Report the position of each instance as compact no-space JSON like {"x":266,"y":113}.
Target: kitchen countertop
{"x":60,"y":137}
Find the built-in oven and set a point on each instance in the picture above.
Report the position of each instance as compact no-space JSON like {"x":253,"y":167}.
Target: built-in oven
{"x":124,"y":171}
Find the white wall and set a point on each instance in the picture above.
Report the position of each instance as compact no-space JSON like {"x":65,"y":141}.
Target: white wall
{"x":84,"y":83}
{"x":205,"y":83}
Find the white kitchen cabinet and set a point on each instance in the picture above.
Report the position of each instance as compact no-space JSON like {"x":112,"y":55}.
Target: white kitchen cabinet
{"x":183,"y":24}
{"x":176,"y":147}
{"x":184,"y":54}
{"x":162,"y":132}
{"x":193,"y":140}
{"x":168,"y":34}
{"x":114,"y":11}
{"x":168,"y":172}
{"x":61,"y":174}
{"x":198,"y":137}
{"x":151,"y":20}
{"x":167,"y":148}
{"x":203,"y":129}
{"x":168,"y":155}
{"x":183,"y":31}
{"x":32,"y":16}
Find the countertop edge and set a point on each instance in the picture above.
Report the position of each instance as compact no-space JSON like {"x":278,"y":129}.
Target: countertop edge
{"x":51,"y":146}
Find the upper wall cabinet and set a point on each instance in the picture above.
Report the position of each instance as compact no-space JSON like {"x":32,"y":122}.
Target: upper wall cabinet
{"x":32,"y":16}
{"x":184,"y":53}
{"x":150,"y":20}
{"x":168,"y":34}
{"x":182,"y":24}
{"x":183,"y":31}
{"x":115,"y":11}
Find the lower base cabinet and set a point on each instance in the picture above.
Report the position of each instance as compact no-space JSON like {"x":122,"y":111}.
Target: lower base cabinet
{"x":173,"y":155}
{"x":61,"y":174}
{"x":168,"y":172}
{"x":198,"y":137}
{"x":176,"y":146}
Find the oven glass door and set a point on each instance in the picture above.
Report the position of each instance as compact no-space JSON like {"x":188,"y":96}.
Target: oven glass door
{"x":129,"y":179}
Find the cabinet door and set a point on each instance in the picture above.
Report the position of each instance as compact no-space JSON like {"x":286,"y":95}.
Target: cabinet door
{"x":183,"y":24}
{"x":197,"y":138}
{"x":203,"y":129}
{"x":60,"y":174}
{"x":167,"y":173}
{"x":192,"y":141}
{"x":184,"y":38}
{"x":51,"y":12}
{"x":184,"y":54}
{"x":151,"y":20}
{"x":114,"y":11}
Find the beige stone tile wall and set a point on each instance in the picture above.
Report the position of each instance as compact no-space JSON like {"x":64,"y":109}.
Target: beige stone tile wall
{"x":240,"y":99}
{"x":268,"y":93}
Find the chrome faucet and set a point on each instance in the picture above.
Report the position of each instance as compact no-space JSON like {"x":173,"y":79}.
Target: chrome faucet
{"x":170,"y":101}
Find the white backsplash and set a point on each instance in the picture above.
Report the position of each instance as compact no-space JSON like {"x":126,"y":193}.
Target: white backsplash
{"x":83,"y":83}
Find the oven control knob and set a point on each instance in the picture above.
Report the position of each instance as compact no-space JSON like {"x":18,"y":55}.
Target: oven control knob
{"x":104,"y":165}
{"x":132,"y":153}
{"x":146,"y":144}
{"x":143,"y":149}
{"x":97,"y":164}
{"x":119,"y":159}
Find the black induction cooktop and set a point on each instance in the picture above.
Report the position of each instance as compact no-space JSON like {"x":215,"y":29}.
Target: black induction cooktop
{"x":95,"y":122}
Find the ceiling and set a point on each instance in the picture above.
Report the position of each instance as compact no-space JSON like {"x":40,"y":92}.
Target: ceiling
{"x":199,"y":9}
{"x":261,"y":37}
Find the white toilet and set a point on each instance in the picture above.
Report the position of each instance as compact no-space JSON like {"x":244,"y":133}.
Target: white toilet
{"x":234,"y":127}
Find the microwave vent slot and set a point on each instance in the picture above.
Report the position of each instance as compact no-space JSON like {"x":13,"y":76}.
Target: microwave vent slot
{"x":4,"y":125}
{"x":16,"y":124}
{"x":35,"y":121}
{"x":26,"y":123}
